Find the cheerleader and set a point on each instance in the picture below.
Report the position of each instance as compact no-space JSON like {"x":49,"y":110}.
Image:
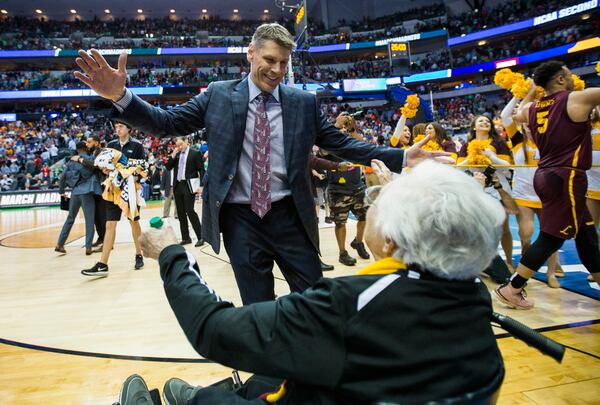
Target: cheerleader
{"x":485,"y":146}
{"x":593,"y":175}
{"x":401,"y":137}
{"x":442,"y":140}
{"x":525,"y":152}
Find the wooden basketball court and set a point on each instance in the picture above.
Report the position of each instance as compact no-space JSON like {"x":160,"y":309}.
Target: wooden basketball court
{"x":70,"y":339}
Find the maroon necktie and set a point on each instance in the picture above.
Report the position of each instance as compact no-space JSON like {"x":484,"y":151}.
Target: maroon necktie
{"x":260,"y":193}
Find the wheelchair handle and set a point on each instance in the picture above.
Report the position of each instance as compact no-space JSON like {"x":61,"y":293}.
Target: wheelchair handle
{"x":535,"y":339}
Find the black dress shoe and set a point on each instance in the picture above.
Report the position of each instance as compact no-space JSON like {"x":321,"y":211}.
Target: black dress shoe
{"x":185,"y":242}
{"x":360,"y":248}
{"x":200,"y":242}
{"x":97,"y":243}
{"x":346,"y":259}
{"x":326,"y":267}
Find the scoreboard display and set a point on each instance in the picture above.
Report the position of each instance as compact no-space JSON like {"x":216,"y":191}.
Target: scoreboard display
{"x":399,"y":54}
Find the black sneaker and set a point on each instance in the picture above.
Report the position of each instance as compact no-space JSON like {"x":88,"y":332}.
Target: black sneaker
{"x":135,"y":392}
{"x":326,"y":267}
{"x":360,"y":249}
{"x":99,"y":270}
{"x":177,"y":391}
{"x":346,"y":259}
{"x":139,"y":262}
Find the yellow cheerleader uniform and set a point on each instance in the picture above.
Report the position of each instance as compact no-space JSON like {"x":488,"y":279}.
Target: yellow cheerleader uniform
{"x":525,"y":152}
{"x":593,"y":175}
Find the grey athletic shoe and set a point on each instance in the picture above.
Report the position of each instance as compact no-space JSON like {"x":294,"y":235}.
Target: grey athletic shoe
{"x":178,"y":392}
{"x":135,"y":392}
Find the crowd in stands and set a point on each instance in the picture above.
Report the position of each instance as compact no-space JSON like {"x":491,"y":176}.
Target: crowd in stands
{"x":144,"y":77}
{"x":32,"y":33}
{"x":32,"y":153}
{"x":441,"y":59}
{"x":459,"y":112}
{"x":505,"y":12}
{"x":360,"y":69}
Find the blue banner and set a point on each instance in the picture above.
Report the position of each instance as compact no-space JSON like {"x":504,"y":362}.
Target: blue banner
{"x":521,"y":25}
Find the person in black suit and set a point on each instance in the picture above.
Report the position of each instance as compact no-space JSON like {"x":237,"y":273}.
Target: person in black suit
{"x":260,"y":134}
{"x":187,"y":165}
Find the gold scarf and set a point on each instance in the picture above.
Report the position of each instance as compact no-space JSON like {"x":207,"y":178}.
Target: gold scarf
{"x":387,"y":265}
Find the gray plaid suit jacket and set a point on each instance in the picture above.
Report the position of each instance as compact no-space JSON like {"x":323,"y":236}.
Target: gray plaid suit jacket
{"x":222,"y":110}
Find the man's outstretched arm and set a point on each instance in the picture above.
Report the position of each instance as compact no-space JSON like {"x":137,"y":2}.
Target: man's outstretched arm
{"x":129,"y":108}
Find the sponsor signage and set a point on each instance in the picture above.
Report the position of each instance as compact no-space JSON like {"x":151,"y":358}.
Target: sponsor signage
{"x":565,"y":12}
{"x":67,"y":93}
{"x":22,"y":199}
{"x":521,"y":25}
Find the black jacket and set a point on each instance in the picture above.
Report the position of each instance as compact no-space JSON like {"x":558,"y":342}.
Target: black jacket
{"x":194,"y":165}
{"x":414,"y":340}
{"x":133,"y":149}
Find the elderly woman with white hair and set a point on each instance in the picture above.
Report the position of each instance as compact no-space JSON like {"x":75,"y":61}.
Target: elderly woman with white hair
{"x":410,"y":328}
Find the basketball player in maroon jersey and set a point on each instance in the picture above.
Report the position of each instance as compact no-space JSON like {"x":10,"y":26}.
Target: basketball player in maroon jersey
{"x":560,"y":127}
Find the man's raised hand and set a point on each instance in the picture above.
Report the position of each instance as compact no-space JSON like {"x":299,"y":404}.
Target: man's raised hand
{"x":100,"y":77}
{"x":416,"y":154}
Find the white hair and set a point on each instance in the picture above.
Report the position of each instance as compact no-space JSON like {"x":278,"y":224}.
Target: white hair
{"x":441,"y":219}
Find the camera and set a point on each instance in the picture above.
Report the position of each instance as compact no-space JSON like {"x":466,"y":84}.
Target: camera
{"x":488,"y":173}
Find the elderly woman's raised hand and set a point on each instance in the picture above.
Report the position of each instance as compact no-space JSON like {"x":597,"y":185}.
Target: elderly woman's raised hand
{"x":153,"y":241}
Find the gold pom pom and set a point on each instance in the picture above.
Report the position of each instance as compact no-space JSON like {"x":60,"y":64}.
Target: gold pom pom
{"x":578,"y":83}
{"x":539,"y":92}
{"x":505,"y":78}
{"x":411,"y":106}
{"x":408,"y":112}
{"x":430,"y":145}
{"x":475,"y":151}
{"x":520,"y":87}
{"x":412,"y":101}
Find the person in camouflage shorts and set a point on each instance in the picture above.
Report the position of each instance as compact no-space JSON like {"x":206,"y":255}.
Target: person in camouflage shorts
{"x":346,"y":192}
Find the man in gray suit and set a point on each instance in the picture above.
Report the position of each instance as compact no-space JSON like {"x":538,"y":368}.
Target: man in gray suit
{"x":260,"y":135}
{"x":166,"y":184}
{"x":85,"y":186}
